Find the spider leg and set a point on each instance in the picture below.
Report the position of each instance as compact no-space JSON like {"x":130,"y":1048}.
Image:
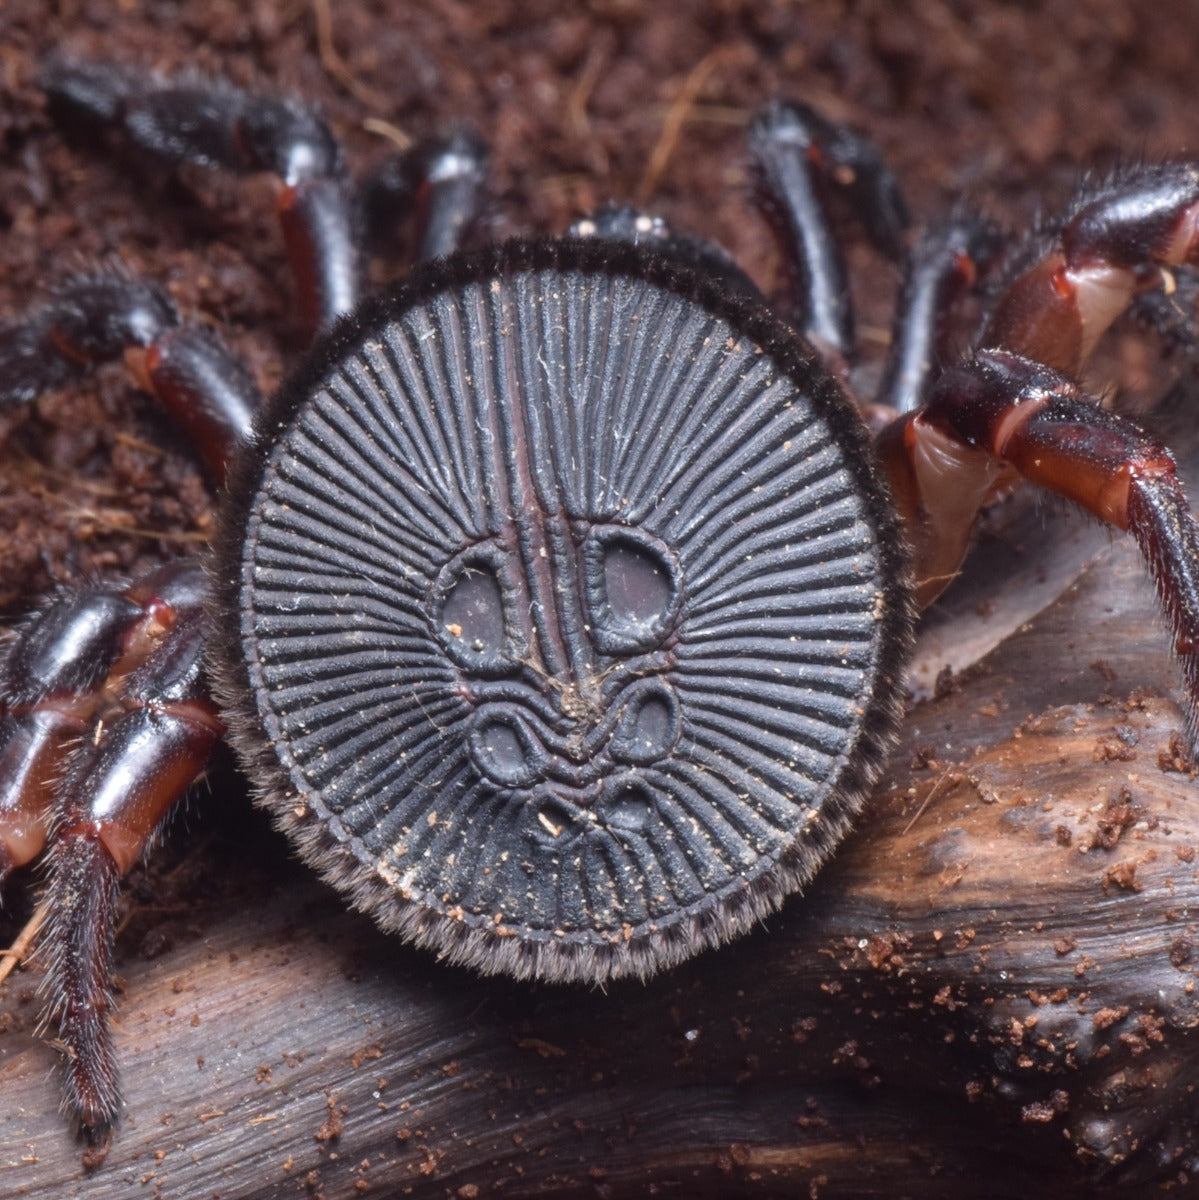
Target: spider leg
{"x":1113,"y":242}
{"x":1035,"y":421}
{"x":440,"y":181}
{"x":107,"y":710}
{"x":50,"y":687}
{"x":216,"y":125}
{"x":942,"y":464}
{"x":799,"y":158}
{"x":942,"y":268}
{"x":100,"y":317}
{"x":1014,"y":410}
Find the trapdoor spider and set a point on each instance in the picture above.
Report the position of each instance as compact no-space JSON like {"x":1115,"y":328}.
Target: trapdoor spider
{"x":560,"y":600}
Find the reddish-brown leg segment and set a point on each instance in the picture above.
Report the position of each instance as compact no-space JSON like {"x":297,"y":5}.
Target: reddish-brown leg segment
{"x":97,"y":318}
{"x":217,"y":125}
{"x":124,"y":670}
{"x":1033,"y":419}
{"x":1015,"y":409}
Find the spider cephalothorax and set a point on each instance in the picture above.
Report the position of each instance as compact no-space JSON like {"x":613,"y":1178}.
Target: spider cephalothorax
{"x":560,"y":601}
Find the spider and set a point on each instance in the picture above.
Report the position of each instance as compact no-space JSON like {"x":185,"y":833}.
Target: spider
{"x":560,"y":600}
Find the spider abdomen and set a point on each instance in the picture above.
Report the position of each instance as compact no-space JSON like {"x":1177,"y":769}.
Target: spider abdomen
{"x":570,"y":610}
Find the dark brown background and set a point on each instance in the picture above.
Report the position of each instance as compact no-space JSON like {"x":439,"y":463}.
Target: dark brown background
{"x":275,"y":1046}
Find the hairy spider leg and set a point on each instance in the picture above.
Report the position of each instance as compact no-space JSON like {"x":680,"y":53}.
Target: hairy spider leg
{"x":802,"y":162}
{"x":98,"y":318}
{"x":105,"y":715}
{"x":438,"y":186}
{"x":146,"y":748}
{"x":105,"y":718}
{"x":1015,"y":409}
{"x":213,"y":124}
{"x":106,"y":723}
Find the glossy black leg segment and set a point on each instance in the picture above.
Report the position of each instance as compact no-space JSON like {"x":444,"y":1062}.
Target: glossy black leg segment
{"x":316,"y":217}
{"x":90,"y":319}
{"x":61,"y":673}
{"x":151,"y":733}
{"x":440,"y":185}
{"x":800,"y":158}
{"x":94,"y":319}
{"x":216,"y":125}
{"x":211,"y":124}
{"x":50,"y":687}
{"x":206,"y":391}
{"x":942,"y":268}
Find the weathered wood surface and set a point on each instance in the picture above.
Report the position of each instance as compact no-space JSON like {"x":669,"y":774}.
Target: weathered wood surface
{"x":991,"y":990}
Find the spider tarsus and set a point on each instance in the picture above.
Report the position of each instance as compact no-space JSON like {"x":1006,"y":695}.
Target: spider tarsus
{"x":140,"y":693}
{"x":855,"y":166}
{"x":90,"y":320}
{"x":204,"y":123}
{"x":1161,"y":522}
{"x":78,"y":989}
{"x":84,"y":98}
{"x":800,"y":160}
